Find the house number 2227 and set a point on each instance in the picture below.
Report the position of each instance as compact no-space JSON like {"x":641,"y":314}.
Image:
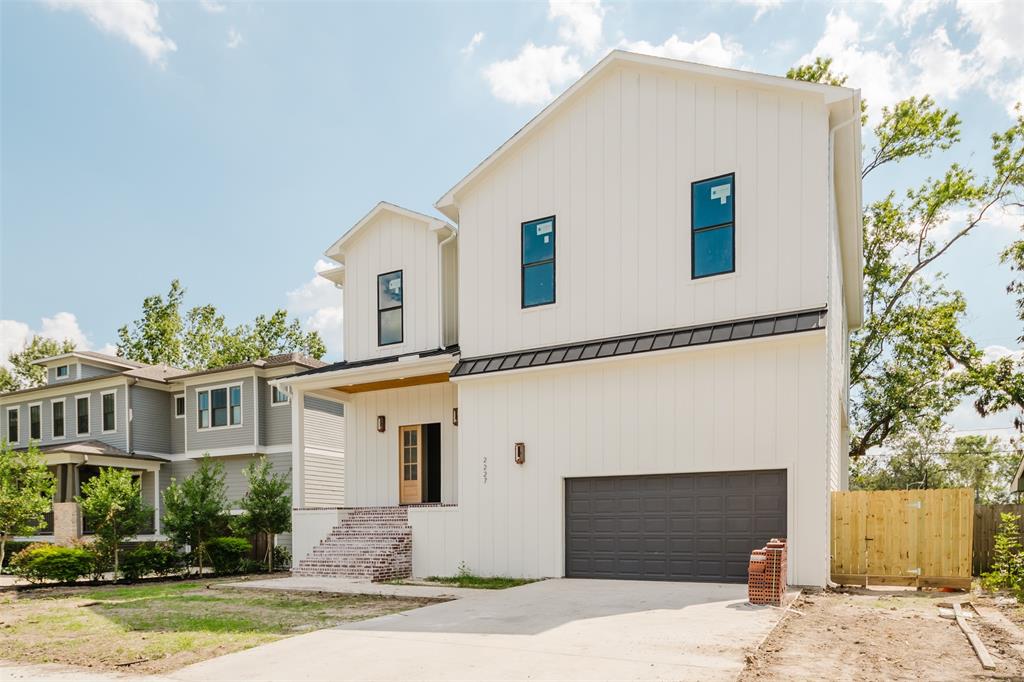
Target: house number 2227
{"x":485,"y":470}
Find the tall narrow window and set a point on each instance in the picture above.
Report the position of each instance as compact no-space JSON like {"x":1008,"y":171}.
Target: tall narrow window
{"x":12,"y":425}
{"x":82,"y":407}
{"x":389,"y":308}
{"x":713,"y":226}
{"x":57,"y":412}
{"x":179,"y":406}
{"x":109,"y":415}
{"x":35,"y":422}
{"x":219,"y":407}
{"x":235,"y":405}
{"x":203,"y":403}
{"x":538,"y":262}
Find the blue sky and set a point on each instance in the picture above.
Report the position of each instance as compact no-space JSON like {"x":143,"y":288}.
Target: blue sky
{"x":228,"y":144}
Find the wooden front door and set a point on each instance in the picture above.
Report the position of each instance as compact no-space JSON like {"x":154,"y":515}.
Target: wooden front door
{"x":410,"y":464}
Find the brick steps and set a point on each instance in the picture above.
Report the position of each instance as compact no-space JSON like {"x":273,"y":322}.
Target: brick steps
{"x":371,"y":543}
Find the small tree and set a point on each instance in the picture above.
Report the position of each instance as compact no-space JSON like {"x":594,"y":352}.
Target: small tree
{"x":266,"y":507}
{"x":195,"y":510}
{"x":1007,"y":559}
{"x":26,"y":493}
{"x":112,"y":504}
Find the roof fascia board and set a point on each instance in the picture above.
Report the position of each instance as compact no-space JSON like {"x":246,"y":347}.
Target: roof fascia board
{"x":336,"y":250}
{"x":68,"y":388}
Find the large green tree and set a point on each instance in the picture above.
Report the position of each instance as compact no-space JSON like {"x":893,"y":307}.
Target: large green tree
{"x":902,"y":359}
{"x":112,"y":504}
{"x":23,"y":374}
{"x":200,"y":338}
{"x":196,"y":510}
{"x":26,"y":493}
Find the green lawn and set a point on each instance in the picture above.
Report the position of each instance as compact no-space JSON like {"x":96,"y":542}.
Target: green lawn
{"x":479,"y":582}
{"x":157,"y":627}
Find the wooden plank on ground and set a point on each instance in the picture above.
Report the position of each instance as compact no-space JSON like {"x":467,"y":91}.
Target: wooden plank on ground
{"x":979,"y":647}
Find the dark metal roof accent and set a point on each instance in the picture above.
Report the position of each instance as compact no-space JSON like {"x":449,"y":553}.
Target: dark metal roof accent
{"x":631,"y":344}
{"x":450,"y":350}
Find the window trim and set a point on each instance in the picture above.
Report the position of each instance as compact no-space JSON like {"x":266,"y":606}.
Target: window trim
{"x":209,"y":401}
{"x":400,"y":307}
{"x":184,"y":406}
{"x":287,"y":398}
{"x":63,"y":419}
{"x":88,"y":414}
{"x":103,"y":415}
{"x":553,"y":260}
{"x":693,"y":232}
{"x":30,"y":406}
{"x":7,"y":424}
{"x":58,"y":368}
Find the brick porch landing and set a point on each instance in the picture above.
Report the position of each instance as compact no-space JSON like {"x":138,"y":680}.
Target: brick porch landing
{"x":370,"y":543}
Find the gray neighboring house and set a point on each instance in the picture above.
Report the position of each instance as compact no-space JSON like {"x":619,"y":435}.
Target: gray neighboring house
{"x":98,"y":410}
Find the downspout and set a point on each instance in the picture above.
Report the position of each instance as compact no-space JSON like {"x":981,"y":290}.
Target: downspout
{"x":440,"y":287}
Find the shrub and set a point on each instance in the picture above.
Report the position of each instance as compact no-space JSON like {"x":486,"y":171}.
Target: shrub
{"x":42,"y":561}
{"x":282,"y":558}
{"x":1008,"y":558}
{"x":153,"y":559}
{"x":13,"y":547}
{"x":226,"y":553}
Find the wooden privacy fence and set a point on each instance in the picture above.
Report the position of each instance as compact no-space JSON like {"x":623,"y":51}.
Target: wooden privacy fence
{"x":903,"y":537}
{"x":986,"y":523}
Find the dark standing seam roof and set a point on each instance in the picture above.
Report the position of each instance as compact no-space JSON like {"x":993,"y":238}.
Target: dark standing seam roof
{"x":737,"y":330}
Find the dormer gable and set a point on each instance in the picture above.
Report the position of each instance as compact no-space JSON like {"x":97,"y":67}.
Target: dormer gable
{"x":83,"y":365}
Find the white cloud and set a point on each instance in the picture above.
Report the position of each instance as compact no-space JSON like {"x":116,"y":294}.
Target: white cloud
{"x":530,"y":77}
{"x":136,"y":21}
{"x":318,"y":304}
{"x":763,"y":6}
{"x":212,"y":6}
{"x":15,"y":335}
{"x":999,"y":57}
{"x":711,"y":49}
{"x":581,"y":22}
{"x":234,"y":38}
{"x":906,"y":13}
{"x":471,"y":46}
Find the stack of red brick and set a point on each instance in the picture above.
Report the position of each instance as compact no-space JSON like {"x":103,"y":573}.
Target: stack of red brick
{"x":766,"y":573}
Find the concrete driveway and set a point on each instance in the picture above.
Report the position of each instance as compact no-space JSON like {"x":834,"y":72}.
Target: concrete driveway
{"x":552,"y":630}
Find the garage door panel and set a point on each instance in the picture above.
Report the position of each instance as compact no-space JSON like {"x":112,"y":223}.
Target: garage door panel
{"x":672,"y":527}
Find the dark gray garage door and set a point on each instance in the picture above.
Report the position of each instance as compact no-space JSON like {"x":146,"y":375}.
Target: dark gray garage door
{"x":671,"y":527}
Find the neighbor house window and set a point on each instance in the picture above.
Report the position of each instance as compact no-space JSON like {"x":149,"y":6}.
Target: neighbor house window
{"x":82,"y":407}
{"x":35,"y":421}
{"x":538,"y":262}
{"x":62,"y":372}
{"x":179,"y":406}
{"x":220,"y":407}
{"x":389,"y":308}
{"x":713,"y":226}
{"x":109,"y":418}
{"x":57,"y":412}
{"x":12,"y":424}
{"x":278,"y":396}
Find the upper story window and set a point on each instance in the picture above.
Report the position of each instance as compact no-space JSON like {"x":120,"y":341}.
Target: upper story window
{"x":538,"y":262}
{"x":179,"y":406}
{"x":713,"y":233}
{"x":277,"y":396}
{"x":12,"y":425}
{"x":389,"y":308}
{"x":35,"y":421}
{"x":109,"y":412}
{"x":57,"y":415}
{"x":220,"y":407}
{"x":63,"y":371}
{"x":82,"y":411}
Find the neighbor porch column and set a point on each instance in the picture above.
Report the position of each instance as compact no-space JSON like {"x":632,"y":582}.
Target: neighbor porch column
{"x":298,"y":447}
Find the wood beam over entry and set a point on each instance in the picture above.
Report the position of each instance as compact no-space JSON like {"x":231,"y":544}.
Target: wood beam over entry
{"x":403,"y":382}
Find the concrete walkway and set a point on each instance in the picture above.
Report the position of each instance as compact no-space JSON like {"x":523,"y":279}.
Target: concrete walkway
{"x":349,"y":586}
{"x":554,"y":630}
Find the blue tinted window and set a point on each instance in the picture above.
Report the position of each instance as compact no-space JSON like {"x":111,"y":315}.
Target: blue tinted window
{"x":712,"y":251}
{"x":390,"y":290}
{"x":713,"y":202}
{"x":713,"y":227}
{"x":538,"y":264}
{"x":538,"y":284}
{"x":389,"y":308}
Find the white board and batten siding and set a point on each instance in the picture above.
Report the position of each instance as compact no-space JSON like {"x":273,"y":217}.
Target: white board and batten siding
{"x":742,"y":406}
{"x":391,"y":242}
{"x":324,"y":465}
{"x":614,"y":167}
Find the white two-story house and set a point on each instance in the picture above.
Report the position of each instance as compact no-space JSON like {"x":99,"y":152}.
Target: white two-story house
{"x":623,"y":354}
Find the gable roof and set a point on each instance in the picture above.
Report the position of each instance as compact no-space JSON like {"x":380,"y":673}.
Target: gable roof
{"x":103,"y":358}
{"x":268,"y":362}
{"x":336,"y":251}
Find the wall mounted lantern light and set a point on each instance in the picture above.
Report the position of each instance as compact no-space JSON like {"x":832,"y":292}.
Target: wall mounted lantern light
{"x":520,"y":453}
{"x":455,"y":416}
{"x":381,"y":423}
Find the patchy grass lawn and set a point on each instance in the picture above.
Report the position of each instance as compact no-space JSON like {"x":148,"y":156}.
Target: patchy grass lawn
{"x":479,"y":582}
{"x":158,"y":627}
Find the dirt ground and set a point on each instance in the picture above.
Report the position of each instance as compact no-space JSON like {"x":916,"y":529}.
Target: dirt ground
{"x":876,"y":635}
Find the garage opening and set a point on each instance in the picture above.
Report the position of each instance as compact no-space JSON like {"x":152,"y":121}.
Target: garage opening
{"x":698,"y":527}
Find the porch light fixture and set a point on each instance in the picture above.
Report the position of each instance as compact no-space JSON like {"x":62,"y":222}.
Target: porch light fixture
{"x":455,"y":416}
{"x":381,"y":424}
{"x":520,"y":450}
